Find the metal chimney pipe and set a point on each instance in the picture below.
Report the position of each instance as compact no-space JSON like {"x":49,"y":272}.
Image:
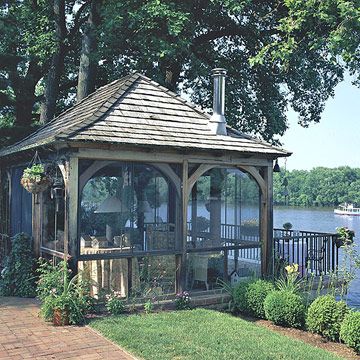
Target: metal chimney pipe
{"x":217,"y":120}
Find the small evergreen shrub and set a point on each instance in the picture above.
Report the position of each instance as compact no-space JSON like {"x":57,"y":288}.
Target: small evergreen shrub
{"x":18,"y":278}
{"x":239,"y":296}
{"x":350,"y":330}
{"x":255,"y":296}
{"x":325,"y":316}
{"x":285,"y":308}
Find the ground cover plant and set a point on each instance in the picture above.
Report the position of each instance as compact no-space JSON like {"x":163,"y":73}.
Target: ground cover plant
{"x":201,"y":334}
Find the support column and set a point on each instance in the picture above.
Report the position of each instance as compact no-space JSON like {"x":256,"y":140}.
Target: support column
{"x":181,"y":259}
{"x":216,"y":183}
{"x":267,"y":266}
{"x":71,"y":208}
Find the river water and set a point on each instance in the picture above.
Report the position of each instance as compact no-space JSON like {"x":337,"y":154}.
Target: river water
{"x":322,"y":220}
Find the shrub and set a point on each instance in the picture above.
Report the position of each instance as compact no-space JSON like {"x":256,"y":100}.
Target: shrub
{"x":239,"y":296}
{"x":148,"y":307}
{"x":18,"y":278}
{"x":285,"y":308}
{"x":350,"y":330}
{"x":114,"y":303}
{"x":255,"y":296}
{"x":182,"y":301}
{"x":325,"y":316}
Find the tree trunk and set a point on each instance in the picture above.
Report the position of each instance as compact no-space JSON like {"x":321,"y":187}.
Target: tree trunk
{"x":24,"y":89}
{"x":52,"y":82}
{"x":88,"y":61}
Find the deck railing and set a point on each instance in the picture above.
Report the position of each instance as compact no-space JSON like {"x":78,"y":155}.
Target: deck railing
{"x":314,"y":252}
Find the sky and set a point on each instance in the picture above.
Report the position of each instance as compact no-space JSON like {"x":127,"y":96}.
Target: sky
{"x":333,"y":142}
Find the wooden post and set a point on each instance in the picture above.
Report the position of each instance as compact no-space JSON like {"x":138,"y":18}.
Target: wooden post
{"x":181,"y":261}
{"x":267,"y":266}
{"x":194,"y":214}
{"x":37,"y":223}
{"x":71,"y":208}
{"x":216,"y":183}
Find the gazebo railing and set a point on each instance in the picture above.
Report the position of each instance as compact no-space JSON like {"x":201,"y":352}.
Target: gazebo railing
{"x":314,"y":252}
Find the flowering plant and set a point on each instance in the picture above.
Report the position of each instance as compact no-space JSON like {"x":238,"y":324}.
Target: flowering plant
{"x":182,"y":301}
{"x":114,"y":303}
{"x":290,"y":281}
{"x":345,"y":236}
{"x":60,"y":292}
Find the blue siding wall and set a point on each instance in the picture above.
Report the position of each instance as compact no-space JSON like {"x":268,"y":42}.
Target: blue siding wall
{"x":20,"y":205}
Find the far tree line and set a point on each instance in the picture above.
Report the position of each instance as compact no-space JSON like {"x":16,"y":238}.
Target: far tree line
{"x":318,"y":187}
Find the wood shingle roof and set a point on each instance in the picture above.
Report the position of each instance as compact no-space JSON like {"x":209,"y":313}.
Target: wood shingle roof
{"x":139,"y":112}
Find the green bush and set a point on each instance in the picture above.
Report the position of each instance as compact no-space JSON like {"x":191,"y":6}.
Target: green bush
{"x":239,"y":296}
{"x":325,"y":316}
{"x":255,"y":296}
{"x":114,"y":303}
{"x":350,"y":330}
{"x":18,"y":278}
{"x":285,"y":308}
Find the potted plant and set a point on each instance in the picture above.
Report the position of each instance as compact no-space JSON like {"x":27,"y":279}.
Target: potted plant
{"x":345,"y":236}
{"x":34,"y":179}
{"x":64,"y":301}
{"x":287,"y":227}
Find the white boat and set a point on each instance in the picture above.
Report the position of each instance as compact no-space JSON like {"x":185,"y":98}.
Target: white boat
{"x":347,"y":209}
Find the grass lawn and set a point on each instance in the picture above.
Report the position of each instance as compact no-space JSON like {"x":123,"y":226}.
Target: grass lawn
{"x":201,"y":334}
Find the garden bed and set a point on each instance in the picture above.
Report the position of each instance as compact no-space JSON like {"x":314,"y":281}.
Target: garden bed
{"x":202,"y":334}
{"x":311,"y":339}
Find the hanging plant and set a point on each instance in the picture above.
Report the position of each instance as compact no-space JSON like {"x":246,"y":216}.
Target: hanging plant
{"x":34,"y":178}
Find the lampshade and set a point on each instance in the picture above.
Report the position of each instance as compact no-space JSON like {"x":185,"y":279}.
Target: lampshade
{"x":111,"y":204}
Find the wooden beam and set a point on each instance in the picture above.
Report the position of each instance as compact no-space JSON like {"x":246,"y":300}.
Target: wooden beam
{"x":133,"y":155}
{"x":71,"y":207}
{"x":266,"y":224}
{"x":185,"y":201}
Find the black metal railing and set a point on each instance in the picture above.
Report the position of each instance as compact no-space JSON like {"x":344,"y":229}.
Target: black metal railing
{"x":314,"y":252}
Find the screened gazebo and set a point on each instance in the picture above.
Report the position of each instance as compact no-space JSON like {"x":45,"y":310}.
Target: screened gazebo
{"x":149,"y":193}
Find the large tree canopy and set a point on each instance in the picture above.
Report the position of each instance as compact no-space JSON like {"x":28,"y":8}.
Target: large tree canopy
{"x":278,"y":53}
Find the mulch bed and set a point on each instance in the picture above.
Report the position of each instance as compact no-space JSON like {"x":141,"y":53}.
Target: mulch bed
{"x":309,"y":338}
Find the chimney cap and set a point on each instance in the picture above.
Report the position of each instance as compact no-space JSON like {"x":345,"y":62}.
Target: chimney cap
{"x":218,"y":71}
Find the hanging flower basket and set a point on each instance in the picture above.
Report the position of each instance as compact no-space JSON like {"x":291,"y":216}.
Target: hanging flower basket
{"x":34,"y":178}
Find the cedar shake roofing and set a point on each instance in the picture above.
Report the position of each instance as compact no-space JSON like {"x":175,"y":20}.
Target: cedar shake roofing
{"x":137,"y":111}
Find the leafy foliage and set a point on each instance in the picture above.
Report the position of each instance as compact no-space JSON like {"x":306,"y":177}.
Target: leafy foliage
{"x":35,"y":173}
{"x":285,"y":308}
{"x":256,"y":294}
{"x":292,"y":53}
{"x":350,"y":330}
{"x":318,"y":187}
{"x":114,"y":303}
{"x":18,"y":277}
{"x":239,"y":296}
{"x":183,"y":301}
{"x":289,"y":282}
{"x":58,"y":290}
{"x":325,"y":316}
